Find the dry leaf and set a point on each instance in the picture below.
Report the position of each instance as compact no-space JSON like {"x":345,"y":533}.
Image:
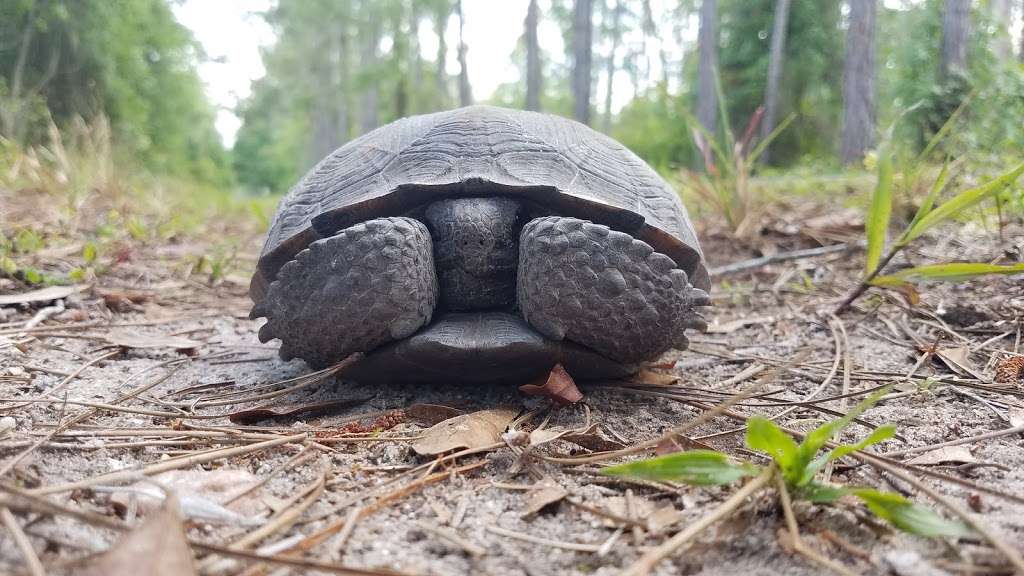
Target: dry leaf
{"x":253,"y":415}
{"x":652,"y":378}
{"x":663,"y":517}
{"x":130,"y":339}
{"x":944,"y":455}
{"x":1016,"y":416}
{"x":558,"y":386}
{"x":593,"y":442}
{"x":474,"y":430}
{"x":430,"y":414}
{"x":735,"y":325}
{"x":545,"y":435}
{"x":617,"y":505}
{"x":957,"y":359}
{"x":47,"y":294}
{"x":544,"y":494}
{"x":202,"y":495}
{"x":156,"y":548}
{"x":677,"y":443}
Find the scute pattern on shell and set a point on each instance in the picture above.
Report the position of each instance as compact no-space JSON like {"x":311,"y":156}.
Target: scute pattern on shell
{"x":481,"y":144}
{"x":603,"y":289}
{"x":378,"y":278}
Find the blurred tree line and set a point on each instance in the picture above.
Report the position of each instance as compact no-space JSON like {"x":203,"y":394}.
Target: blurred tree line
{"x":127,"y":61}
{"x":846,"y":68}
{"x":339,"y":68}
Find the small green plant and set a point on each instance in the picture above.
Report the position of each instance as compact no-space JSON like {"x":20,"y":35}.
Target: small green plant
{"x":927,"y":216}
{"x":797,"y":465}
{"x":729,"y":165}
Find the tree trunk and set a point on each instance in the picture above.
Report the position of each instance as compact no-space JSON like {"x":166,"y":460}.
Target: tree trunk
{"x":465,"y":91}
{"x":859,"y":82}
{"x":1002,"y":17}
{"x":775,"y":62}
{"x":370,"y":118}
{"x":610,"y":66}
{"x":707,"y":44}
{"x":441,"y":79}
{"x":582,"y":31}
{"x":533,"y":74}
{"x":956,"y":24}
{"x":344,"y":69}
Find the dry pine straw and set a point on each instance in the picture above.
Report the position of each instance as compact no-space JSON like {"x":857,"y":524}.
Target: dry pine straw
{"x":165,"y":411}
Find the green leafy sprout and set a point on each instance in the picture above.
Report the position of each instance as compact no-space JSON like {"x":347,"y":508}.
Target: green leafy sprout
{"x":928,"y":215}
{"x":798,"y":465}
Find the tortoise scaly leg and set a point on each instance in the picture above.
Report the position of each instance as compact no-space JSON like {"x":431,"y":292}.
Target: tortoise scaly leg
{"x":604,"y":289}
{"x":365,"y":286}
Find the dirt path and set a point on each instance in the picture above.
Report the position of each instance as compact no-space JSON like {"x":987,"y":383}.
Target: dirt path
{"x":144,"y":367}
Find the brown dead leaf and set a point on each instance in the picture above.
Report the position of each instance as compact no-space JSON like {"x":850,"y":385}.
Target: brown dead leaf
{"x":1016,"y":416}
{"x":48,"y":294}
{"x":662,"y":518}
{"x":637,"y":508}
{"x":944,"y":455}
{"x":677,"y":443}
{"x":430,"y":414}
{"x":124,"y":300}
{"x":131,"y":339}
{"x":544,"y":494}
{"x":734,"y":325}
{"x":593,"y":442}
{"x":652,"y":378}
{"x":157,"y":548}
{"x":558,"y":386}
{"x":956,"y":358}
{"x":474,"y":430}
{"x":253,"y":415}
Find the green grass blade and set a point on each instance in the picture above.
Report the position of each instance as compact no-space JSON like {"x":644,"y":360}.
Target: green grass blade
{"x":963,"y":201}
{"x":880,"y":211}
{"x":929,"y":201}
{"x":952,"y":271}
{"x":944,"y":131}
{"x":697,"y":467}
{"x":763,"y":145}
{"x":908,"y":516}
{"x":821,"y":493}
{"x":877,"y":435}
{"x":816,"y":439}
{"x":764,"y":435}
{"x":723,"y":111}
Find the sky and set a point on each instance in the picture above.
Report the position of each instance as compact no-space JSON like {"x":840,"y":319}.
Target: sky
{"x":232,"y":34}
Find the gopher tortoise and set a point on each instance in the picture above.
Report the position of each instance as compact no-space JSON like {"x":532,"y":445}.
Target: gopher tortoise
{"x":480,"y":245}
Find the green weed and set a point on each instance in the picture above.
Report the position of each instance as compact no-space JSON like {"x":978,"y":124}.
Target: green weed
{"x":797,"y":464}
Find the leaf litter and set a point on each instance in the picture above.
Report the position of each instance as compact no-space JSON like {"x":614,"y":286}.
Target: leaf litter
{"x":377,"y":482}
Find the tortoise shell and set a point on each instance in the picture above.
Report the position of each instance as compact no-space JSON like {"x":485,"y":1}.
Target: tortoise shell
{"x":558,"y":163}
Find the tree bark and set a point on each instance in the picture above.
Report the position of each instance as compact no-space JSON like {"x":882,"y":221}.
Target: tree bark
{"x":465,"y":90}
{"x":582,"y":31}
{"x":1002,"y":16}
{"x":1020,"y":53}
{"x":533,"y":73}
{"x":775,"y":61}
{"x":859,"y":82}
{"x":707,"y":44}
{"x":610,"y":65}
{"x":956,"y":25}
{"x":370,"y":117}
{"x":441,"y":79}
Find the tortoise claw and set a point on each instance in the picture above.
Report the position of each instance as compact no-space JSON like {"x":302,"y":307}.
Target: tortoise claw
{"x":700,"y":297}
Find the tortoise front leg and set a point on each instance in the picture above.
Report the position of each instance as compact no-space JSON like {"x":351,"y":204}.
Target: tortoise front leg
{"x":363,"y":287}
{"x":604,"y":289}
